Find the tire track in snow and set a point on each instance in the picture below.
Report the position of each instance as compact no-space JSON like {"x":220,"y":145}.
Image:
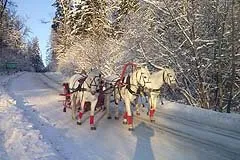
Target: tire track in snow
{"x":228,"y":153}
{"x":200,"y":126}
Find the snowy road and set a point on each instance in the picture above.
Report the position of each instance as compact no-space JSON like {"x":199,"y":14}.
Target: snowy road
{"x":181,"y":134}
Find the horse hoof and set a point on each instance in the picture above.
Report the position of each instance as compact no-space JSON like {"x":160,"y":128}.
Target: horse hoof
{"x":74,"y":118}
{"x":116,"y":118}
{"x":64,"y":110}
{"x":124,"y":122}
{"x":109,"y":117}
{"x":130,"y":129}
{"x":93,"y":128}
{"x":153,"y":120}
{"x":79,"y":123}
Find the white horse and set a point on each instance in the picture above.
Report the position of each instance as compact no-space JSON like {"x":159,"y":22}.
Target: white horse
{"x":85,"y":91}
{"x":138,"y":80}
{"x":164,"y":76}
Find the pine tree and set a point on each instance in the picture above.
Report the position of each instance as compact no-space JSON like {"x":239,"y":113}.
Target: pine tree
{"x":89,"y":18}
{"x":61,"y":26}
{"x":125,"y":7}
{"x":35,"y":57}
{"x":12,"y":36}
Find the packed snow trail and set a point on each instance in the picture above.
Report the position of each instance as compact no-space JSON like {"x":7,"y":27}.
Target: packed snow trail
{"x":176,"y":134}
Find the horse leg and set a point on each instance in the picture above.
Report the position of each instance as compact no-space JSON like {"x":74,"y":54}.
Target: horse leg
{"x":129,"y":114}
{"x":93,"y":106}
{"x":161,"y":99}
{"x":153,"y":108}
{"x":125,"y":114}
{"x":137,"y":105}
{"x":116,"y":110}
{"x":80,"y":113}
{"x":116,"y":103}
{"x":73,"y":99}
{"x":150,"y":99}
{"x":107,"y":105}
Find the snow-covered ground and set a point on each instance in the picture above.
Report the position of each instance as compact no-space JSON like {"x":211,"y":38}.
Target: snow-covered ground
{"x":33,"y":126}
{"x":19,"y":138}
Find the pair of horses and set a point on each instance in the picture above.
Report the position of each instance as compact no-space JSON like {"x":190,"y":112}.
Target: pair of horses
{"x":140,"y":80}
{"x":85,"y":88}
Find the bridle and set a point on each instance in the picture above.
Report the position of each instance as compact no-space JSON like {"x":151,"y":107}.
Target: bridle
{"x":139,"y":86}
{"x":141,"y":77}
{"x":94,"y":83}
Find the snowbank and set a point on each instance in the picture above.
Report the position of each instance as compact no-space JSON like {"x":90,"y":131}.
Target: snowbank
{"x":208,"y":117}
{"x":19,"y":139}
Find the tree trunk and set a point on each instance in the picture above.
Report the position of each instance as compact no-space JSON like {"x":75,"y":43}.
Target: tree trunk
{"x":233,"y":69}
{"x":4,"y":5}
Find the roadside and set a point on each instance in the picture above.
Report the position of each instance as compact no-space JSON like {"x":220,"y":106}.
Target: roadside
{"x":19,"y":139}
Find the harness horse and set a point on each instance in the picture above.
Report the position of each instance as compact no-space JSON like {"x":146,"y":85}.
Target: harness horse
{"x":128,"y":90}
{"x":85,"y":89}
{"x":164,"y":76}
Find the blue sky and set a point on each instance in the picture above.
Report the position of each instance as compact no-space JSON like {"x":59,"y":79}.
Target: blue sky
{"x":34,"y":11}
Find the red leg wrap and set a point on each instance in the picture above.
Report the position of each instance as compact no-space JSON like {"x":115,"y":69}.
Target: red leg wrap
{"x":125,"y":115}
{"x":91,"y":120}
{"x":129,"y":119}
{"x":80,"y":114}
{"x":152,"y":111}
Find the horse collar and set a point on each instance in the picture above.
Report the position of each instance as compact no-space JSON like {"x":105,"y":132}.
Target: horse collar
{"x":129,"y":86}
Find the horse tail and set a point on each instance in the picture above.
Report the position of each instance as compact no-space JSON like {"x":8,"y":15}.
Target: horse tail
{"x":117,"y":94}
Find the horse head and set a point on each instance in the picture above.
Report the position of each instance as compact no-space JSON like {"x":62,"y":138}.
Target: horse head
{"x":143,"y":77}
{"x":169,"y":77}
{"x":95,"y":79}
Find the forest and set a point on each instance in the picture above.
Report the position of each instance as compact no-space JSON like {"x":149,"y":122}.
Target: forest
{"x":15,"y":44}
{"x":199,"y":39}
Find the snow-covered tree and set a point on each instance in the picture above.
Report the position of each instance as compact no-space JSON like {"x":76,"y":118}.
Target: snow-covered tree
{"x":13,"y":32}
{"x":199,"y":39}
{"x":35,"y":55}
